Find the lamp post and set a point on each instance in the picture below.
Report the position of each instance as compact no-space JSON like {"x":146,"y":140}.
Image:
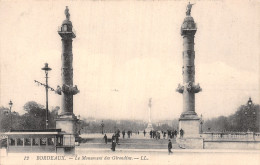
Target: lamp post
{"x":10,"y":105}
{"x":250,"y":115}
{"x":102,"y":126}
{"x":46,"y":69}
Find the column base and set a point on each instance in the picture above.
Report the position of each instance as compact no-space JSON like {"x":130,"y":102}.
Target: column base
{"x":68,"y":124}
{"x":189,"y":115}
{"x":67,"y":114}
{"x":149,"y":127}
{"x":190,"y":124}
{"x":190,"y":143}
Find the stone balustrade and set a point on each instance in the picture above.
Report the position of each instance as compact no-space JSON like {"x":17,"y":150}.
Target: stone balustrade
{"x":243,"y":136}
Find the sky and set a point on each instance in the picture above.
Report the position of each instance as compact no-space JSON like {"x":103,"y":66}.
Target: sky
{"x":136,"y":48}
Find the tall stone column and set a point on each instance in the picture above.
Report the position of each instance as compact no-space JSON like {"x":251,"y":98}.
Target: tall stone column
{"x":189,"y":120}
{"x":67,"y":120}
{"x":150,"y":125}
{"x":66,"y":74}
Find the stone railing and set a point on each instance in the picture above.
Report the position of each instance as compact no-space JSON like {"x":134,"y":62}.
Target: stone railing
{"x":233,"y":136}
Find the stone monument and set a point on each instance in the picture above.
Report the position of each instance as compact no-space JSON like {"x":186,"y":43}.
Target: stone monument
{"x":189,"y":120}
{"x":150,"y":126}
{"x":67,"y":121}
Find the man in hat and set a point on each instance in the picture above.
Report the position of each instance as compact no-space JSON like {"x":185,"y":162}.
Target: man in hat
{"x":113,"y":147}
{"x":105,"y":137}
{"x":181,"y":133}
{"x":123,"y":134}
{"x":170,"y":147}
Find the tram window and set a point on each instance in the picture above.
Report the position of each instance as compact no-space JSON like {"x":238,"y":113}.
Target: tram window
{"x":35,"y":142}
{"x":11,"y":142}
{"x":19,"y":142}
{"x":43,"y":141}
{"x":50,"y":141}
{"x":27,"y":142}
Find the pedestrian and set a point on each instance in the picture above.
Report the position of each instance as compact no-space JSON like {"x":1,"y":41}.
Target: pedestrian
{"x":113,"y":137}
{"x":172,"y":134}
{"x":128,"y":133}
{"x":154,"y":133}
{"x":181,"y":133}
{"x":168,"y":131}
{"x":118,"y":133}
{"x":151,"y":134}
{"x":175,"y":133}
{"x":170,"y":147}
{"x":113,"y":148}
{"x":105,"y":137}
{"x":123,"y":134}
{"x":144,"y":132}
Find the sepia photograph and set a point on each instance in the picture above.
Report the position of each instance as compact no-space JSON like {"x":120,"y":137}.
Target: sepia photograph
{"x":171,"y":82}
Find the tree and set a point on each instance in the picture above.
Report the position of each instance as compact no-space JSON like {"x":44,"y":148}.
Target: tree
{"x":34,"y":118}
{"x":5,"y":117}
{"x":246,"y":118}
{"x":53,"y":114}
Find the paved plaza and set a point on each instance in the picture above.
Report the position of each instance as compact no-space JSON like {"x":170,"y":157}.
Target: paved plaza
{"x":136,"y":141}
{"x":135,"y":150}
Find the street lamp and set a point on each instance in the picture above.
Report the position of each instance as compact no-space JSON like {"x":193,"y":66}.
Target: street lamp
{"x":250,"y":115}
{"x":10,"y":105}
{"x":102,"y":126}
{"x":46,"y":69}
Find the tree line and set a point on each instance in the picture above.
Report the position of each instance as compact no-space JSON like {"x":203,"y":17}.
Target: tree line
{"x":33,"y":118}
{"x":246,"y":118}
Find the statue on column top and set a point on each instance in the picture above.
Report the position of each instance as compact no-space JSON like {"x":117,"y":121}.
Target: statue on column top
{"x":67,"y":13}
{"x":188,"y":9}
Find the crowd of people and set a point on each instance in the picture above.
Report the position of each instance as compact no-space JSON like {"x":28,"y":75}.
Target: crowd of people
{"x":157,"y":134}
{"x":153,"y":135}
{"x":170,"y":134}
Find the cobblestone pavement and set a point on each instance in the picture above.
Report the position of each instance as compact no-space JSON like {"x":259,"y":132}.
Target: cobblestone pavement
{"x":135,"y":150}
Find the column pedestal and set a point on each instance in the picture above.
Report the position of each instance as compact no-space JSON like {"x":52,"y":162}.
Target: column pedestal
{"x":149,"y":127}
{"x":67,"y":123}
{"x":190,"y":126}
{"x":191,"y":139}
{"x":190,"y":143}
